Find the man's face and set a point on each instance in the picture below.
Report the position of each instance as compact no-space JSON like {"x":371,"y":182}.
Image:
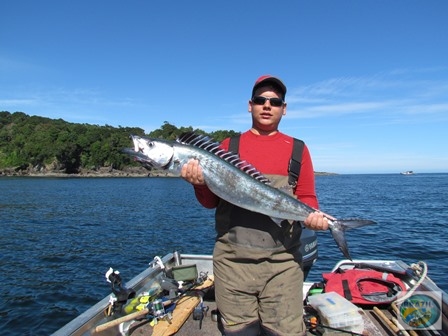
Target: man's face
{"x":266,"y":114}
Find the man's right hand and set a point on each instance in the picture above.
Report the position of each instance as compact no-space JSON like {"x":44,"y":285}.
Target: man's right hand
{"x":192,"y":172}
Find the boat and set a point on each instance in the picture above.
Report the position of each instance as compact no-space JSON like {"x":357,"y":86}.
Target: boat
{"x":174,"y":296}
{"x":408,"y":172}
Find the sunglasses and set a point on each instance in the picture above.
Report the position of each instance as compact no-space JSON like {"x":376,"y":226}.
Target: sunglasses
{"x":260,"y":100}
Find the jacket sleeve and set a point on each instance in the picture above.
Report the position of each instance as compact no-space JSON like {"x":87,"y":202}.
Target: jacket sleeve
{"x":306,"y":190}
{"x":205,"y":197}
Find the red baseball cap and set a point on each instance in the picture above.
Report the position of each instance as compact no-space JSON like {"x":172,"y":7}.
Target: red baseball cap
{"x":268,"y":79}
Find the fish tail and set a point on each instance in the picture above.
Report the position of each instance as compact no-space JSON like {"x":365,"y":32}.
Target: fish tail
{"x":339,"y":227}
{"x":353,"y":223}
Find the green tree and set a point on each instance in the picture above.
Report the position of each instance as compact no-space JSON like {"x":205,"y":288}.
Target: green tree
{"x":37,"y":141}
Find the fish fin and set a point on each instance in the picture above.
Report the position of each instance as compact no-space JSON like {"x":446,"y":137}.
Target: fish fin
{"x":339,"y":237}
{"x":353,"y":223}
{"x":338,"y":228}
{"x":208,"y":144}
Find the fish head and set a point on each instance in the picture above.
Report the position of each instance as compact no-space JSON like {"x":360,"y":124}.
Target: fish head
{"x":155,"y":152}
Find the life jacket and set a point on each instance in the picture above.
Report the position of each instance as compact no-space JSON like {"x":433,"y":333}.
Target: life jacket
{"x":364,"y":286}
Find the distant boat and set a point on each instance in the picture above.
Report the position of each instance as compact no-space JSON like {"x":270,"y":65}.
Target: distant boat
{"x":408,"y":172}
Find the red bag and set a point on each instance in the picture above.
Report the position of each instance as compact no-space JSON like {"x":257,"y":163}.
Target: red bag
{"x":367,"y":287}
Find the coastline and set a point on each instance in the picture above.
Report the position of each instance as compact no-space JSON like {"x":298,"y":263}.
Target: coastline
{"x":99,"y":173}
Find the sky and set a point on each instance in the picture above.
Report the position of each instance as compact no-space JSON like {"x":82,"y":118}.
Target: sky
{"x":367,"y":79}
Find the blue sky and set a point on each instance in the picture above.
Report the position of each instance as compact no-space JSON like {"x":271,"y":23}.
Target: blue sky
{"x":367,"y":80}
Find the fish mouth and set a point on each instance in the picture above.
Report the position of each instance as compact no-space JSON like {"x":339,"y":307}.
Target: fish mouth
{"x":138,"y":152}
{"x":138,"y":156}
{"x":138,"y":148}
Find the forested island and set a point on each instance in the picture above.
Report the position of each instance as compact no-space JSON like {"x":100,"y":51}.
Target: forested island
{"x":39,"y":146}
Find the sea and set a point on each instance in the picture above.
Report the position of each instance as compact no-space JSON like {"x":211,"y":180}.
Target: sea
{"x":59,"y":236}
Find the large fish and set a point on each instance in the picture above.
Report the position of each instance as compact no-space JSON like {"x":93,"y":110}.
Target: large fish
{"x":232,"y":179}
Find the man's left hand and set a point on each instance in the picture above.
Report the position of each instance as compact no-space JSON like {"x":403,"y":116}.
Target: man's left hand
{"x":317,"y":221}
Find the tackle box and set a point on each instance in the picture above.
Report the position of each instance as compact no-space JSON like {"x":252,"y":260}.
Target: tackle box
{"x":337,"y":312}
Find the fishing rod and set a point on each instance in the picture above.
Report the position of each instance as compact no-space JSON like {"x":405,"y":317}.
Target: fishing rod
{"x":315,"y":324}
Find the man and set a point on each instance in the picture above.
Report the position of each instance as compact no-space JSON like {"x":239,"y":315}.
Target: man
{"x":257,"y":264}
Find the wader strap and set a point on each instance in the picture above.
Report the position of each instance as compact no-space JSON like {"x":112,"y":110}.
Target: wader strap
{"x":295,"y":162}
{"x":234,"y":144}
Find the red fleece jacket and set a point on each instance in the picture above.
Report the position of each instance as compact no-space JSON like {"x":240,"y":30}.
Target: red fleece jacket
{"x":270,"y":155}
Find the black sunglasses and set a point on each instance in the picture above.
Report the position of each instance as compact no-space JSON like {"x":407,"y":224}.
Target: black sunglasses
{"x":260,"y":100}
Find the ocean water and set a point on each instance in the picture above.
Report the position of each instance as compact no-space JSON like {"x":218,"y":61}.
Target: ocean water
{"x":60,"y":235}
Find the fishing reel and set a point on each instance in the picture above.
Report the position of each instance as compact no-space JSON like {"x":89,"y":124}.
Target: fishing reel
{"x":121,"y":293}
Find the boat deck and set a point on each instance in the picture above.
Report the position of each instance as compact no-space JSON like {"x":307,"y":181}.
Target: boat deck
{"x":191,"y":327}
{"x":374,"y":325}
{"x":377,"y":321}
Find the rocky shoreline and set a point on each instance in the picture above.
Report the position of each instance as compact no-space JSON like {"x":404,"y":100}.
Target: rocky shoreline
{"x":101,"y":172}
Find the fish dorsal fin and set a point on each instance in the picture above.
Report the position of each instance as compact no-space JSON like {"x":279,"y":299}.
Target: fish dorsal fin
{"x":208,"y":144}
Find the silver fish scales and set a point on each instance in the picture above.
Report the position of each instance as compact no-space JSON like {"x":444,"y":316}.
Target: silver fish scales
{"x":233,"y":180}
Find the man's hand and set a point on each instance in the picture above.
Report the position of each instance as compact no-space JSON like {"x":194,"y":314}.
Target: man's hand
{"x":192,"y":172}
{"x":317,"y":221}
